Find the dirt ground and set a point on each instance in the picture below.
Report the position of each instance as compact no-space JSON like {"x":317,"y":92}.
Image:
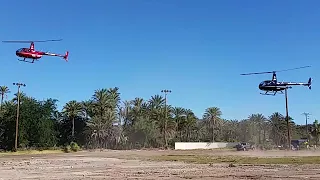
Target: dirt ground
{"x":130,"y":165}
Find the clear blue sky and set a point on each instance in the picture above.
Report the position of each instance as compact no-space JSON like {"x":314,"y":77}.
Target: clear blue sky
{"x":197,"y":49}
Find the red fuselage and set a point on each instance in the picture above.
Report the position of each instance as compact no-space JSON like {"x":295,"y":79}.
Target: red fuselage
{"x":27,"y":53}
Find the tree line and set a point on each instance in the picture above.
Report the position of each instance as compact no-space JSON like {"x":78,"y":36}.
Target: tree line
{"x":106,"y":121}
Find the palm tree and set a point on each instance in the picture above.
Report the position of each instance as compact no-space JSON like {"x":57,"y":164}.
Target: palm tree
{"x":258,"y":121}
{"x":156,"y":101}
{"x":22,"y":97}
{"x":316,"y":131}
{"x":73,"y":109}
{"x":101,"y":128}
{"x":4,"y":90}
{"x":276,"y":121}
{"x":57,"y":116}
{"x":212,"y":116}
{"x":279,"y":127}
{"x":101,"y":102}
{"x":114,"y":95}
{"x":189,"y":123}
{"x":159,"y":113}
{"x":179,"y":115}
{"x":87,"y":108}
{"x":104,"y":104}
{"x":230,"y":131}
{"x":137,"y":109}
{"x":125,"y":112}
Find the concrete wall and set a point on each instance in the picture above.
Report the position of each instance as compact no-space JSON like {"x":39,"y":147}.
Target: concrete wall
{"x":202,"y":145}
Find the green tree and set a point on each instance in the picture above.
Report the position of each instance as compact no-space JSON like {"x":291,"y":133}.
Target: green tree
{"x":4,"y":90}
{"x":73,"y":109}
{"x":101,"y":124}
{"x":103,"y":121}
{"x":258,"y":121}
{"x":316,"y":131}
{"x":189,"y":125}
{"x":161,"y":115}
{"x":212,"y":116}
{"x":179,"y":115}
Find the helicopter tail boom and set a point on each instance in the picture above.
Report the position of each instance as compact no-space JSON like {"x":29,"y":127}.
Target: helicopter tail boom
{"x":65,"y":57}
{"x":303,"y":84}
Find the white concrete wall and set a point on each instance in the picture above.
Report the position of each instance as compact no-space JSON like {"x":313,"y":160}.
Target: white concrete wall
{"x":202,"y":145}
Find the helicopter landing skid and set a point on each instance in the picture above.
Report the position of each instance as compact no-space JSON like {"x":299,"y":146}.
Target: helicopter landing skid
{"x":273,"y":93}
{"x":270,"y":94}
{"x":24,"y":60}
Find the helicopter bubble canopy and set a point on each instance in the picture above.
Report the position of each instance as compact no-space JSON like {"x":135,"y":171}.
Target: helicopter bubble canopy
{"x":20,"y":50}
{"x":262,"y":83}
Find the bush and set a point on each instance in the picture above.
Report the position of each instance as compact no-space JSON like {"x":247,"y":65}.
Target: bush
{"x":267,"y":146}
{"x":67,"y":149}
{"x":74,"y":146}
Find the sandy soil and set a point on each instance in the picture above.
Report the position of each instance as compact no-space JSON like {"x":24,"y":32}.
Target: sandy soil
{"x":115,"y":165}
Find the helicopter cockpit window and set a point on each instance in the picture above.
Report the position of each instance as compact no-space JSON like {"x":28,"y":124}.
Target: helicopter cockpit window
{"x":262,"y":83}
{"x":19,"y":50}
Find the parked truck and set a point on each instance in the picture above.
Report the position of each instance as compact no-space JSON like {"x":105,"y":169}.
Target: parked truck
{"x":243,"y":146}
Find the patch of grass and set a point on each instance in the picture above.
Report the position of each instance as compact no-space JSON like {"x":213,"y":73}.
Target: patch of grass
{"x":205,"y":159}
{"x":26,"y":152}
{"x":213,"y":149}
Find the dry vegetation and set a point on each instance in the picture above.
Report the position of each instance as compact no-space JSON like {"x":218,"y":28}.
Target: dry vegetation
{"x":159,"y":164}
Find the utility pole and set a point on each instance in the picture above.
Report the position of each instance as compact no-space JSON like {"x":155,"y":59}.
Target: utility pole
{"x":17,"y":120}
{"x":165,"y":91}
{"x":307,"y":117}
{"x":287,"y":118}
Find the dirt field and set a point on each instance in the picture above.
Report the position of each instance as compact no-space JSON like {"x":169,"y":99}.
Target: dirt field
{"x":133,"y":165}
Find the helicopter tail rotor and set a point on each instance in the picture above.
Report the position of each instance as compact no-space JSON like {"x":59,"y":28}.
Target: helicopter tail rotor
{"x":309,"y":83}
{"x":65,"y":57}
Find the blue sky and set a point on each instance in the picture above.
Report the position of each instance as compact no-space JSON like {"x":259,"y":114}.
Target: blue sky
{"x":197,"y":49}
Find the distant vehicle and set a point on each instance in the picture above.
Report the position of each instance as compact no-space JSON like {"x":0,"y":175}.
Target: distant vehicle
{"x":297,"y":143}
{"x":244,"y":146}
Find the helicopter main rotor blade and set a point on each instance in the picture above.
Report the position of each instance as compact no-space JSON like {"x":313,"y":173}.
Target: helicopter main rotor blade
{"x":293,"y":68}
{"x":258,"y":73}
{"x":17,"y":41}
{"x":31,"y":41}
{"x":276,"y":71}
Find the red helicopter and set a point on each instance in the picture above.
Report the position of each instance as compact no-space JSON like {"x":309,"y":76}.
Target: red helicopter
{"x":31,"y":53}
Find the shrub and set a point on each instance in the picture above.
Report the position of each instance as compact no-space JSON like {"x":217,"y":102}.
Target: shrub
{"x":67,"y":149}
{"x":74,"y":146}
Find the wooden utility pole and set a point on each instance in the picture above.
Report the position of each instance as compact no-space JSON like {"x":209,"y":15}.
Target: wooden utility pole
{"x":17,"y":120}
{"x":165,"y":91}
{"x":287,"y":119}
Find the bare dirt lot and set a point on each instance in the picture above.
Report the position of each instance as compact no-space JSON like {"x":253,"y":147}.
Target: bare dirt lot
{"x":133,"y":164}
